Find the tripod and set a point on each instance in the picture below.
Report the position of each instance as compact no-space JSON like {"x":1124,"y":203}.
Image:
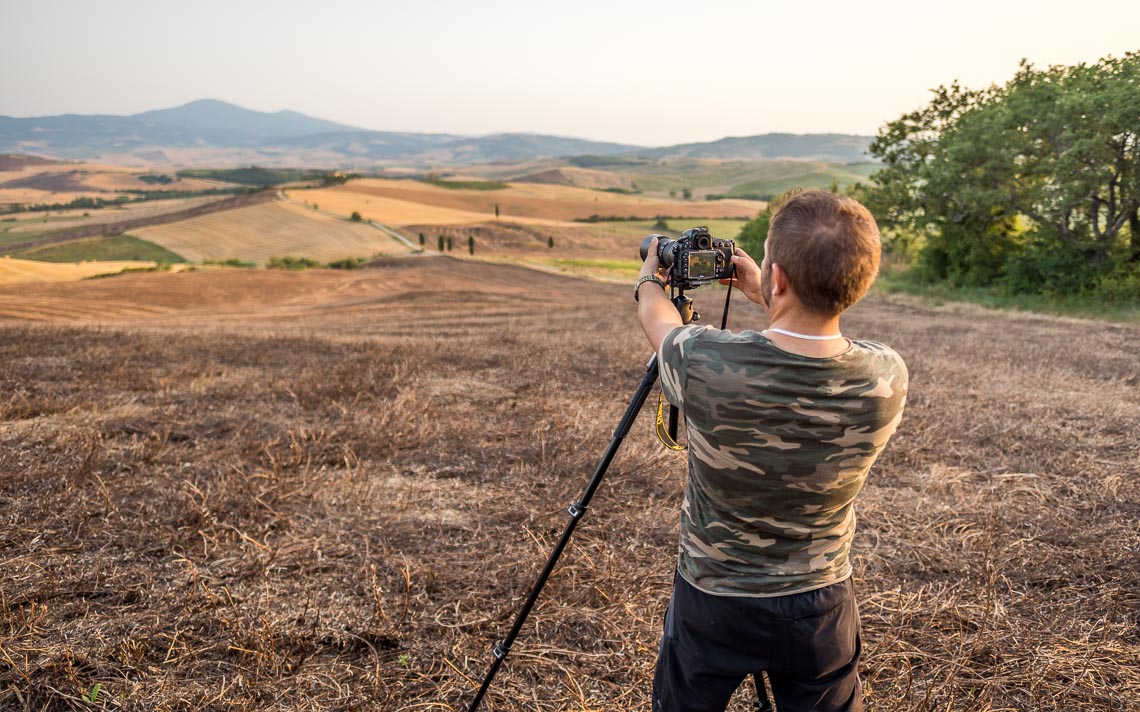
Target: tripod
{"x":684,"y":306}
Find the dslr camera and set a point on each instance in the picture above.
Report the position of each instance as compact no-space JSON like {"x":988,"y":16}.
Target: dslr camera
{"x":693,"y":259}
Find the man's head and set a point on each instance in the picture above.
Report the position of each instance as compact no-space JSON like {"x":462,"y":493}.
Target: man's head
{"x":828,"y":247}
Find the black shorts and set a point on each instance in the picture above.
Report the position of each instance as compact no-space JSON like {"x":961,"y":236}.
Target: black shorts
{"x":808,"y":643}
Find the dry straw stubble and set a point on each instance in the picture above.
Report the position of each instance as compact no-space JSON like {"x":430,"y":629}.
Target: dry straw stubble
{"x":337,"y":497}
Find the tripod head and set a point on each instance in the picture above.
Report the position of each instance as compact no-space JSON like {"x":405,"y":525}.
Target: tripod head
{"x":684,"y":307}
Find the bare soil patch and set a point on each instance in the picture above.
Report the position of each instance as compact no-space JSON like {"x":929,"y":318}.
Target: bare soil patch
{"x":327,"y":490}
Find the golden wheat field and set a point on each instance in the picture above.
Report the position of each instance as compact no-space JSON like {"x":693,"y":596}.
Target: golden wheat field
{"x":15,"y":271}
{"x":520,"y":202}
{"x":275,"y":229}
{"x":395,"y":211}
{"x":265,"y":490}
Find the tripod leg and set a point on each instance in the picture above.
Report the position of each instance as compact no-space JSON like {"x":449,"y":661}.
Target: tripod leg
{"x":576,"y":510}
{"x":763,"y":703}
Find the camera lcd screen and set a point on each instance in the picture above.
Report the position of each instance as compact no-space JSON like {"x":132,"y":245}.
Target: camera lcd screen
{"x":702,"y":264}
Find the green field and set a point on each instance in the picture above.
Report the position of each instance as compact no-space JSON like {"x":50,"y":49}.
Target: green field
{"x":637,"y":229}
{"x":254,"y":175}
{"x":744,"y":178}
{"x":469,"y":184}
{"x":843,"y":176}
{"x":117,"y":247}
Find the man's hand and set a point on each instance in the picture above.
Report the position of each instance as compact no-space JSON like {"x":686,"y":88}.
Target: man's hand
{"x":746,"y":277}
{"x":656,"y":313}
{"x":652,"y":264}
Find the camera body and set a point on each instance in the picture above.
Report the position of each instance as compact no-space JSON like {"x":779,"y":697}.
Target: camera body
{"x":693,"y":259}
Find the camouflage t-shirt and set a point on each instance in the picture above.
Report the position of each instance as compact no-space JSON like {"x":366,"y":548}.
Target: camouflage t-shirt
{"x":779,"y":445}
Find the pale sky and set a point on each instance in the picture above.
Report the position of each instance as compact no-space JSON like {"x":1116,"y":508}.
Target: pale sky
{"x":649,"y":73}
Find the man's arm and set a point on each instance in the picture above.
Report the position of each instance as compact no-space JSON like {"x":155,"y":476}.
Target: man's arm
{"x":656,"y":313}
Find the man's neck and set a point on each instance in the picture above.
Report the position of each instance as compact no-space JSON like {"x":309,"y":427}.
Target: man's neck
{"x":805,"y":323}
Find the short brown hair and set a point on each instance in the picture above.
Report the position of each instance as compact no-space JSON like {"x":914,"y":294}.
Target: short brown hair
{"x":828,"y":245}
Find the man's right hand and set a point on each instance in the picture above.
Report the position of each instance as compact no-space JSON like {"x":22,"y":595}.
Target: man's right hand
{"x":746,"y":277}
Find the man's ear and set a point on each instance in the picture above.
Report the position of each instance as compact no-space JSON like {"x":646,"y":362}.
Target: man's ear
{"x":779,"y":279}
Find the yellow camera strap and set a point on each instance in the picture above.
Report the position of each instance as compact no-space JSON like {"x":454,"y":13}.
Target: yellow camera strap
{"x":661,"y":429}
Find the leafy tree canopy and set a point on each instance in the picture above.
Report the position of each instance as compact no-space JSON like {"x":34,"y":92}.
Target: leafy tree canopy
{"x":1033,"y":184}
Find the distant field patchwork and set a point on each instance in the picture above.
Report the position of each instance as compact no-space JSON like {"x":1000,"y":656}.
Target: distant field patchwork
{"x":27,"y":224}
{"x":416,"y":203}
{"x":276,"y":229}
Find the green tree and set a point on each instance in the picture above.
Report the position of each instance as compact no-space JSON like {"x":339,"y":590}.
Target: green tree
{"x":496,"y":211}
{"x":754,"y":233}
{"x":440,"y":248}
{"x":421,"y":239}
{"x":471,"y":244}
{"x":686,"y":193}
{"x":449,"y":243}
{"x":1034,"y":185}
{"x":550,"y":242}
{"x":355,"y":216}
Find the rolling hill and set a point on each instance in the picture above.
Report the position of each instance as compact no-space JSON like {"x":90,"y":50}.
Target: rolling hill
{"x":211,"y":132}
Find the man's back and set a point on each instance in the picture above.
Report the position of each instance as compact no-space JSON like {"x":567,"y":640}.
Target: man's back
{"x":779,"y":445}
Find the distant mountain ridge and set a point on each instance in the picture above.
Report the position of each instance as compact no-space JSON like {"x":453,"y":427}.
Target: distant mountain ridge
{"x":209,"y":131}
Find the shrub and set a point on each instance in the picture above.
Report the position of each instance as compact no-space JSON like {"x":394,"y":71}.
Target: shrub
{"x":231,"y":262}
{"x":291,"y":263}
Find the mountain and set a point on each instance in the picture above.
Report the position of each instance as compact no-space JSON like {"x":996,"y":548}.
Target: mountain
{"x":209,"y":116}
{"x":211,"y":132}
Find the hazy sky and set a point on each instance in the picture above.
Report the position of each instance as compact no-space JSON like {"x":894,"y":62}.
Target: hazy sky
{"x":648,"y":73}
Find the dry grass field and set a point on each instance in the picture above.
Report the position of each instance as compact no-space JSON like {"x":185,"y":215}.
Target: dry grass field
{"x":275,"y":229}
{"x":331,"y":491}
{"x":14,"y":271}
{"x":410,"y":202}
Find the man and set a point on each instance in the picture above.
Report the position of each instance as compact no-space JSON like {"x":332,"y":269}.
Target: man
{"x":783,"y":425}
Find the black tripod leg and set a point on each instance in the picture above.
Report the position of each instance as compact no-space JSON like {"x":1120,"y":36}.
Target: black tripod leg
{"x":576,"y":510}
{"x":763,"y":704}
